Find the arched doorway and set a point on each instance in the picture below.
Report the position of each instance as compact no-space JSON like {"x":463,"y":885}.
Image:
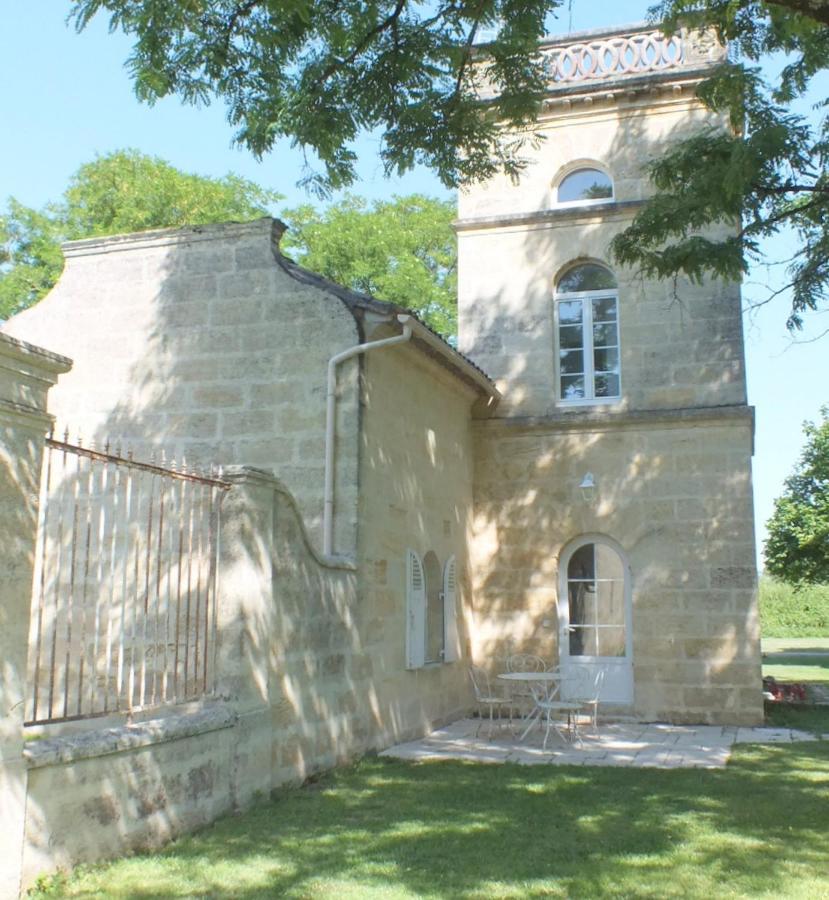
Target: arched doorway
{"x":594,"y":614}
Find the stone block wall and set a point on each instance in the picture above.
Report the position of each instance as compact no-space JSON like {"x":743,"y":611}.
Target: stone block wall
{"x":681,"y":346}
{"x":197,"y":342}
{"x":416,"y":477}
{"x":26,"y":374}
{"x":676,"y":495}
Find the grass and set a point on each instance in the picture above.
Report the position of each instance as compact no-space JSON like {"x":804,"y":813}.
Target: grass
{"x":786,"y":613}
{"x":804,"y":717}
{"x":394,"y":830}
{"x":797,"y":668}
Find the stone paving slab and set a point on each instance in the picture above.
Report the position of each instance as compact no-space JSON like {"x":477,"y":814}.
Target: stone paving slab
{"x":656,"y":745}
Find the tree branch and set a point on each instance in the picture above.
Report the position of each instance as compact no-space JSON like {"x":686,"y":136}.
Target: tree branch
{"x":367,"y":38}
{"x":812,"y":9}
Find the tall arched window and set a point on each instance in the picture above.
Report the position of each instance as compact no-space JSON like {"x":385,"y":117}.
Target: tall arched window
{"x":584,"y":186}
{"x":434,"y":608}
{"x":596,"y":601}
{"x":587,"y":329}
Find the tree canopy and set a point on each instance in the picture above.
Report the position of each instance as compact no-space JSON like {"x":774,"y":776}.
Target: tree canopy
{"x":320,"y":73}
{"x":767,"y":175}
{"x":797,"y":547}
{"x":120,"y":192}
{"x":402,"y":250}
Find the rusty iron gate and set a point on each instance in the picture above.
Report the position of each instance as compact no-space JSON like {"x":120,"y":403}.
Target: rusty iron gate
{"x":124,"y":599}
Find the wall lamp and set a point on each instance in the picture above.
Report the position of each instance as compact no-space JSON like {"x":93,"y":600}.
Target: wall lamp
{"x":588,"y":488}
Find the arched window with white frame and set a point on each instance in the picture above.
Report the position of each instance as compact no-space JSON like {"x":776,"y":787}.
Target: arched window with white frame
{"x":583,"y":186}
{"x":431,"y":611}
{"x":587,"y":335}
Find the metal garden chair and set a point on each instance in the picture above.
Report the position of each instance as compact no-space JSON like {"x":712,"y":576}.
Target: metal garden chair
{"x":488,"y":698}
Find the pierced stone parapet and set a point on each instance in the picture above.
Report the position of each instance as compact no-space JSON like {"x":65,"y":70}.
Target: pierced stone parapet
{"x":592,"y":59}
{"x":610,"y":57}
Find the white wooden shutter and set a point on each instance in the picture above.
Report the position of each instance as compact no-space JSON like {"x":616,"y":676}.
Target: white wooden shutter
{"x":415,"y":612}
{"x":451,"y":649}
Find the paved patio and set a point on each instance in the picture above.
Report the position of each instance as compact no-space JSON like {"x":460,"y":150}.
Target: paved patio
{"x":662,"y":746}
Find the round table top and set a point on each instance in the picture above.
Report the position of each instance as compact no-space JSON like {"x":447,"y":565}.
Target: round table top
{"x":530,"y":676}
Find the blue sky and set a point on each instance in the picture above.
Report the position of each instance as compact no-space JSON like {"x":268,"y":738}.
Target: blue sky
{"x":67,"y":98}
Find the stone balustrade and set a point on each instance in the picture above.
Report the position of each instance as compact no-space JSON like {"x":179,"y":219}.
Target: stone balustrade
{"x":600,"y":56}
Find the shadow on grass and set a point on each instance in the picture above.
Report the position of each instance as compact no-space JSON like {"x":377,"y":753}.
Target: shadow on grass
{"x":803,"y":717}
{"x":392,"y":829}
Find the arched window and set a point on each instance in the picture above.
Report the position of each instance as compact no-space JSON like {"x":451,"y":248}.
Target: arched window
{"x":584,"y":186}
{"x":431,"y":611}
{"x":434,"y":608}
{"x":587,"y":329}
{"x":596,"y":601}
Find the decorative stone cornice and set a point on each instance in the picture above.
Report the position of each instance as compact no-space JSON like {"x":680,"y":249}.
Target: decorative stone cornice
{"x":587,"y":419}
{"x":564,"y":215}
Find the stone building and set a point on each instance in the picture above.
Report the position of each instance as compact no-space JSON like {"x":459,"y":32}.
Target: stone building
{"x":573,"y":481}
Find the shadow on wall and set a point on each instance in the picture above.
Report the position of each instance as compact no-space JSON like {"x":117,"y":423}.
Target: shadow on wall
{"x":206,"y":364}
{"x":674,"y":490}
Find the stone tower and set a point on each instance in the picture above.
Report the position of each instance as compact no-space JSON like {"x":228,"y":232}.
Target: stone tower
{"x":613,"y":521}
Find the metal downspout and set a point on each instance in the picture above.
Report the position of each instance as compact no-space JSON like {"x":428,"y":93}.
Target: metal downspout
{"x":331,"y":420}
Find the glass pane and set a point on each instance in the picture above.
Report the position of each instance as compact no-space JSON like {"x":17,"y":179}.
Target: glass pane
{"x":571,"y":336}
{"x":606,"y":360}
{"x":605,"y":335}
{"x":585,"y":184}
{"x":569,"y":312}
{"x":572,"y":387}
{"x":580,"y":596}
{"x":588,"y":277}
{"x":609,"y":563}
{"x":571,"y":362}
{"x":606,"y":386}
{"x":604,"y":309}
{"x":611,"y":641}
{"x":583,"y":642}
{"x":583,"y":564}
{"x":610,"y":602}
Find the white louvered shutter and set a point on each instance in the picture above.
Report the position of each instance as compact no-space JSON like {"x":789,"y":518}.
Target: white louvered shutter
{"x":415,"y":612}
{"x":451,"y":650}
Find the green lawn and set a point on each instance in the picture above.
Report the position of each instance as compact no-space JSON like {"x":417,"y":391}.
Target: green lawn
{"x":391,"y":830}
{"x":802,"y":716}
{"x":797,"y":668}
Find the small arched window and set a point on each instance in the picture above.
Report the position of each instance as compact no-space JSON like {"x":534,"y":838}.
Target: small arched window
{"x":587,"y":328}
{"x":431,"y":611}
{"x":584,"y":186}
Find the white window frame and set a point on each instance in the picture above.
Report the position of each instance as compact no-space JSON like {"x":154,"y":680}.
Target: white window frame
{"x":417,"y":613}
{"x":566,"y":204}
{"x":586,"y":298}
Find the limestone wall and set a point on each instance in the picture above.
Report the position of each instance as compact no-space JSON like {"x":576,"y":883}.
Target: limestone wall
{"x":195,"y":341}
{"x":291,"y":699}
{"x":679,"y":348}
{"x":676,"y":495}
{"x":416,"y":476}
{"x":26,"y":374}
{"x":309,"y":661}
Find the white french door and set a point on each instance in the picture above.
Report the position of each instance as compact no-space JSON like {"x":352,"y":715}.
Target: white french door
{"x":594,"y":614}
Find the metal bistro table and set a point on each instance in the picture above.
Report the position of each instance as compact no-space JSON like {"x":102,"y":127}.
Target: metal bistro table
{"x":543,"y":687}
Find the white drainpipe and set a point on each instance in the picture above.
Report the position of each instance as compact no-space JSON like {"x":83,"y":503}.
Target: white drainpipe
{"x":331,"y":421}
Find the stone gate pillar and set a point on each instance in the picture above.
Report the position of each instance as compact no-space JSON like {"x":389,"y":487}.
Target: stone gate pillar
{"x":26,"y":374}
